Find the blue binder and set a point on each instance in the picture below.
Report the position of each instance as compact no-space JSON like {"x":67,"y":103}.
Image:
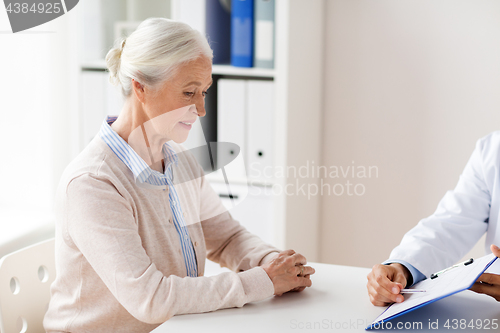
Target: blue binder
{"x":218,"y":29}
{"x":242,"y":33}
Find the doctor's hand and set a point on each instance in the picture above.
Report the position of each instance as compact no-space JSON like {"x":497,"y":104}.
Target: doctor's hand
{"x":288,"y":273}
{"x":487,"y":283}
{"x":385,"y":283}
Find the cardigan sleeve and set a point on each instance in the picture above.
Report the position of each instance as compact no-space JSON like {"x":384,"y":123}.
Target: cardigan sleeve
{"x":102,"y":224}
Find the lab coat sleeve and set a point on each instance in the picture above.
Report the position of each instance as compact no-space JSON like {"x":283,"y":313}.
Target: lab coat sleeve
{"x":460,"y":219}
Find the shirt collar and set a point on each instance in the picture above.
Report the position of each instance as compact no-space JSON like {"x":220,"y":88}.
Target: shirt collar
{"x":140,"y":169}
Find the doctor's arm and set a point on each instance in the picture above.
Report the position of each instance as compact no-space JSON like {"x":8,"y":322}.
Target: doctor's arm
{"x":459,"y":221}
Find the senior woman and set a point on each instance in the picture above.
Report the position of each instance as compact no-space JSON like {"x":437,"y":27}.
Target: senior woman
{"x":130,"y":243}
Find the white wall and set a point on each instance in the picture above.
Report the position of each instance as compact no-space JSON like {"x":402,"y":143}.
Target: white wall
{"x":37,"y":111}
{"x":409,"y":87}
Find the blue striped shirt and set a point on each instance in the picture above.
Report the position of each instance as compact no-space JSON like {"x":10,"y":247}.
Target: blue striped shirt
{"x":144,"y":174}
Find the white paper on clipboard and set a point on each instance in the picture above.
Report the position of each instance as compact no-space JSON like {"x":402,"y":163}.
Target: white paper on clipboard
{"x":451,"y":282}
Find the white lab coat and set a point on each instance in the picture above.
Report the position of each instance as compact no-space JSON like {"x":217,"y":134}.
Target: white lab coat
{"x":462,"y":216}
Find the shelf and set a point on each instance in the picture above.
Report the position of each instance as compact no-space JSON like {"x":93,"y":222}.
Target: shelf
{"x":100,"y":65}
{"x":242,"y":71}
{"x":94,"y":65}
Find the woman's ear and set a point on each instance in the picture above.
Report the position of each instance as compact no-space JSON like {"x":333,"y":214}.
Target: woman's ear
{"x":139,"y":90}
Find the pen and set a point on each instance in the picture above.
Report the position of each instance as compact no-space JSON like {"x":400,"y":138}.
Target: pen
{"x":411,"y":291}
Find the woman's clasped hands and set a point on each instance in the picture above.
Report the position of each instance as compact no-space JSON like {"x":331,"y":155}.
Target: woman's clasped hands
{"x":288,"y":273}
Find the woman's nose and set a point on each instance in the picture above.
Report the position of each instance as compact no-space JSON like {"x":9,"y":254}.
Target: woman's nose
{"x":200,"y":108}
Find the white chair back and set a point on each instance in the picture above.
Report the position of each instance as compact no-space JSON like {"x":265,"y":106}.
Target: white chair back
{"x":25,"y":279}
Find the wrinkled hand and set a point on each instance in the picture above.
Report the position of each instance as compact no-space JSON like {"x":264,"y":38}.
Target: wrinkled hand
{"x":288,"y":273}
{"x":487,"y":283}
{"x":385,"y":283}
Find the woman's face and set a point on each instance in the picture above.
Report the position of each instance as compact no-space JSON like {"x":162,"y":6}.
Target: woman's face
{"x":171,"y":111}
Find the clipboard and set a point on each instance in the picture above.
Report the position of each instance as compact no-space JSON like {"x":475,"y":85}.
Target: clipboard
{"x":448,"y":282}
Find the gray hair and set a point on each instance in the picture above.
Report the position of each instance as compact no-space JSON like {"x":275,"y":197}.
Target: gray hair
{"x":153,"y":52}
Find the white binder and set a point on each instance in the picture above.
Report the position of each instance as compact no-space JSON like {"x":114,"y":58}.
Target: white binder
{"x":192,"y":12}
{"x":231,"y":97}
{"x":260,"y":135}
{"x":258,"y":221}
{"x":264,"y":33}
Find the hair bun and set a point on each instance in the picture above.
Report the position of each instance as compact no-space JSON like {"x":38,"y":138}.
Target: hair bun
{"x":113,"y":60}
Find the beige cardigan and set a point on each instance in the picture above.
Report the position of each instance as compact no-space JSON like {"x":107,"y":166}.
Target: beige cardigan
{"x":118,"y":257}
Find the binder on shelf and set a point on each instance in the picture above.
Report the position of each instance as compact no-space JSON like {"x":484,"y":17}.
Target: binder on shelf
{"x":231,"y":124}
{"x":191,"y":12}
{"x":260,"y":124}
{"x":242,"y":33}
{"x":260,"y":221}
{"x":264,"y":34}
{"x":218,"y":29}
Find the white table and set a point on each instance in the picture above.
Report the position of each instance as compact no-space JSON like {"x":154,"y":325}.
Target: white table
{"x":337,"y":302}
